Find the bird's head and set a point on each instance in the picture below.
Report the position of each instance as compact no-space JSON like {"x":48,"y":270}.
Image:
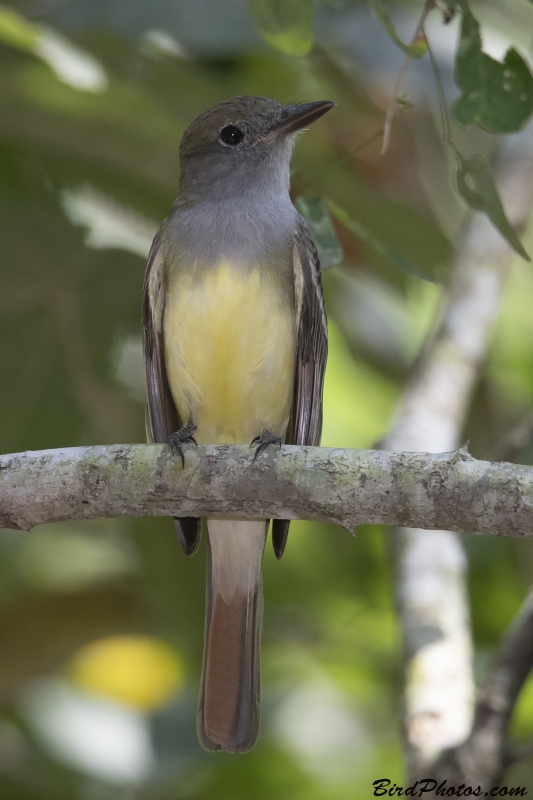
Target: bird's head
{"x":243,"y":144}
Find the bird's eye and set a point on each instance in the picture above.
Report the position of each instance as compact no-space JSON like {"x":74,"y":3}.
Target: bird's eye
{"x":231,"y":135}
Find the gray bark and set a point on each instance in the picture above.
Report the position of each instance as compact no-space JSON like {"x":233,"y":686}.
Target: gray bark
{"x":346,"y":487}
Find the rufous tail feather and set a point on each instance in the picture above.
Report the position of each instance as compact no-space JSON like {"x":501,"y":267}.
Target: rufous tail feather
{"x":228,"y":711}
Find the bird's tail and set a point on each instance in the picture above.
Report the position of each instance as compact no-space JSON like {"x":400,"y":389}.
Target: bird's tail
{"x":228,"y":710}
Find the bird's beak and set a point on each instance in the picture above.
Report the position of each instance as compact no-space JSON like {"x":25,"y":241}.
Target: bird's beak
{"x":297,"y":117}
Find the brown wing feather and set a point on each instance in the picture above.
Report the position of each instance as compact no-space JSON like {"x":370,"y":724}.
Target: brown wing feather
{"x":305,"y":423}
{"x":162,"y":417}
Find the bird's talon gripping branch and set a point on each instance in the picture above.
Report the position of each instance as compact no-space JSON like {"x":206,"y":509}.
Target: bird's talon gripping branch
{"x":264,"y":440}
{"x":179,"y":438}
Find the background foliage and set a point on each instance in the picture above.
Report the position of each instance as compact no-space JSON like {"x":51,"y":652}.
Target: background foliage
{"x":101,"y":625}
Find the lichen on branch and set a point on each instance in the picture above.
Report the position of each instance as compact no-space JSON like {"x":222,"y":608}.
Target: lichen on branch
{"x":345,"y":487}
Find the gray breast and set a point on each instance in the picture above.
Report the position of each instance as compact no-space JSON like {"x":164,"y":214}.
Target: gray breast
{"x":242,"y":232}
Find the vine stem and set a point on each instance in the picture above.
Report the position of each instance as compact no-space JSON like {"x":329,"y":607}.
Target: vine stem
{"x":393,"y":102}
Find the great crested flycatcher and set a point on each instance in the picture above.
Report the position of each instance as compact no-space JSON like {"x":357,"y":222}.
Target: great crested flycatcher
{"x":235,"y":346}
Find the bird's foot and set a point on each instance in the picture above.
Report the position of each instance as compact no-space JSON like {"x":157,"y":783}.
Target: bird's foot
{"x":263,"y":440}
{"x":181,"y":437}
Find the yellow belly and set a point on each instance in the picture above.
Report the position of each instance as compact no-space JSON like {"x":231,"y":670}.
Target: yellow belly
{"x":229,"y":353}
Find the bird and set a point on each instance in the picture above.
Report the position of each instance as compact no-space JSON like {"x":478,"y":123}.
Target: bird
{"x":235,"y":348}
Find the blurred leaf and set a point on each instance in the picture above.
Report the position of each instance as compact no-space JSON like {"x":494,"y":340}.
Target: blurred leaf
{"x":476,"y":186}
{"x":418,"y":49}
{"x":70,"y":64}
{"x":496,"y":96}
{"x":62,"y":560}
{"x":317,"y":215}
{"x":376,"y":244}
{"x":522,"y":719}
{"x":286,"y":25}
{"x":16,"y":31}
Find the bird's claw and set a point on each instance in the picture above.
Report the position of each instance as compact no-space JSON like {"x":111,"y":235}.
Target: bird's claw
{"x":179,"y":438}
{"x":265,"y":439}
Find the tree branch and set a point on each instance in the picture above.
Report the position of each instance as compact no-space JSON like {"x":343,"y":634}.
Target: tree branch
{"x":482,"y":759}
{"x":432,"y":598}
{"x":346,"y":487}
{"x":502,"y":686}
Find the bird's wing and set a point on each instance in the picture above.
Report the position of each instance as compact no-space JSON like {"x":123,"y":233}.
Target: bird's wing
{"x":162,"y":417}
{"x":305,"y":423}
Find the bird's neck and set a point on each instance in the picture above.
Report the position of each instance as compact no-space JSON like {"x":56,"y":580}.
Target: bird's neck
{"x":252,"y":227}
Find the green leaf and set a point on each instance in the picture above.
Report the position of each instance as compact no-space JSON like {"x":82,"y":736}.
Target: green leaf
{"x":16,"y":31}
{"x":376,"y":244}
{"x":286,"y":25}
{"x":475,"y":184}
{"x":416,"y":50}
{"x":315,"y":211}
{"x":496,"y":96}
